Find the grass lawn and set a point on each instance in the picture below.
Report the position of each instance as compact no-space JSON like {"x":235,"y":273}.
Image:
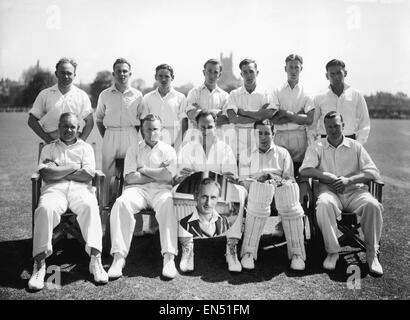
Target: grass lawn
{"x":272,"y":278}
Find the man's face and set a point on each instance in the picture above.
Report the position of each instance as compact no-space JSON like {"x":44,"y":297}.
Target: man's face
{"x":264,"y":133}
{"x":249,"y":74}
{"x":293,"y":69}
{"x":152,"y":131}
{"x":336,"y":75}
{"x":207,"y":126}
{"x":207,"y":199}
{"x":212,"y":74}
{"x":121,"y":73}
{"x":164,"y":78}
{"x":334,"y":128}
{"x":65,"y":74}
{"x":68,"y":129}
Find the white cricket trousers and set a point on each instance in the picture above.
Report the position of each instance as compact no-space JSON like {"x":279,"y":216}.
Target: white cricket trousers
{"x":329,"y":209}
{"x":54,"y":201}
{"x":133,"y":200}
{"x":116,"y":141}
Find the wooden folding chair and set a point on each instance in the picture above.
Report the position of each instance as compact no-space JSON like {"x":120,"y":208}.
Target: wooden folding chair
{"x":349,"y":226}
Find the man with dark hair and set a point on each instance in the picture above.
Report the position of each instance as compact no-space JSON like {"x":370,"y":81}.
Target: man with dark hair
{"x":208,"y":153}
{"x":168,"y":104}
{"x":269,"y":164}
{"x":149,"y":168}
{"x":67,"y":167}
{"x":342,"y":165}
{"x":246,"y":105}
{"x":295,"y":112}
{"x":118,"y":119}
{"x":62,"y":97}
{"x":205,"y":221}
{"x":342,"y":98}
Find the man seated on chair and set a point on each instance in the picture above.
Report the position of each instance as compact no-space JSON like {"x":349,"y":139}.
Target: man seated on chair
{"x":205,"y":221}
{"x":268,"y":163}
{"x":342,"y":165}
{"x":67,"y":167}
{"x":149,"y":168}
{"x":208,"y":153}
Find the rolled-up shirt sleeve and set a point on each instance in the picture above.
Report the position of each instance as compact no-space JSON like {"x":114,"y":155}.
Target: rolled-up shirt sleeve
{"x":130,"y":162}
{"x":231,"y":104}
{"x":38,"y":108}
{"x":367,"y":165}
{"x":362,"y":115}
{"x":100,"y":112}
{"x":191,"y":99}
{"x":88,"y":161}
{"x":311,"y":158}
{"x":172,"y":158}
{"x":45,"y":154}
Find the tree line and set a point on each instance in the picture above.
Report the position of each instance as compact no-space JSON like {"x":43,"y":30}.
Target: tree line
{"x":20,"y":95}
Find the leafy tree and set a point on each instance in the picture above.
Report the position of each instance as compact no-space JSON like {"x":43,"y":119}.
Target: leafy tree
{"x":39,"y":80}
{"x":102,"y":81}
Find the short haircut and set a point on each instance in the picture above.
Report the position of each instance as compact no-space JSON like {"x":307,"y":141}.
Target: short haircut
{"x":151,"y":117}
{"x":335,"y":62}
{"x":247,"y":61}
{"x":166,"y":67}
{"x":294,"y":57}
{"x":67,"y":115}
{"x":332,"y":115}
{"x":203,"y":114}
{"x":214,"y":62}
{"x":208,"y":181}
{"x":67,"y":60}
{"x":265,"y":122}
{"x":121,"y":61}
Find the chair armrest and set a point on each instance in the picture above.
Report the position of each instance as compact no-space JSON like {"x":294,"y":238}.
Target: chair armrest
{"x":98,"y":182}
{"x":35,"y":194}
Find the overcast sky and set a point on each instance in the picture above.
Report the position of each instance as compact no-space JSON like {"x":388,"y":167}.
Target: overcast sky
{"x":371,"y":36}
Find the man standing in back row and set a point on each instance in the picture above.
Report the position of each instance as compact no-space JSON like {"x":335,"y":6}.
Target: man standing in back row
{"x":58,"y":99}
{"x":341,"y":98}
{"x":117,"y":119}
{"x":295,"y":112}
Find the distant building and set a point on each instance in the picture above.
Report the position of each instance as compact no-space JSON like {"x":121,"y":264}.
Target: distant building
{"x":228,"y":81}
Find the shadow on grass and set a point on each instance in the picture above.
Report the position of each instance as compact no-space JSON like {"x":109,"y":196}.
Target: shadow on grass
{"x":16,"y":266}
{"x":144,"y":260}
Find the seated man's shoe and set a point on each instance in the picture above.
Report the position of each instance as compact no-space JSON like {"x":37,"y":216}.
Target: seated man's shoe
{"x":97,"y":270}
{"x":248,"y":262}
{"x":36,"y":281}
{"x":374,"y":265}
{"x":117,"y":265}
{"x":187,"y":260}
{"x":169,"y":270}
{"x":330,"y":261}
{"x":297,"y":263}
{"x":232,"y":257}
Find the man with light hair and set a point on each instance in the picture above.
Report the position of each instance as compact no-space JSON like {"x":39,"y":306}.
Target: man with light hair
{"x":149,"y":168}
{"x":58,"y":99}
{"x":117,"y":119}
{"x":268,"y":167}
{"x":246,"y":105}
{"x":296,"y":111}
{"x":168,"y":104}
{"x":342,"y":165}
{"x":67,"y":167}
{"x":342,"y":98}
{"x":208,"y":153}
